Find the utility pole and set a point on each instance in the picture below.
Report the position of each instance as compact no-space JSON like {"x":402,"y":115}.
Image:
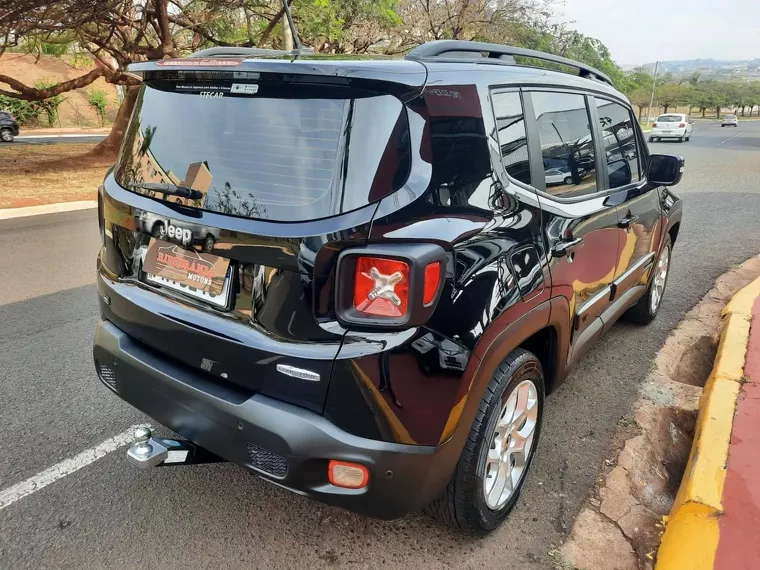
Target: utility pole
{"x":654,"y":84}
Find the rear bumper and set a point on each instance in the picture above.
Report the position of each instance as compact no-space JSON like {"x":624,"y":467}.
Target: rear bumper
{"x":674,"y":133}
{"x":292,"y":445}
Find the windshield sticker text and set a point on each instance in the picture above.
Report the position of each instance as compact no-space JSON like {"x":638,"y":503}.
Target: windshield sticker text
{"x":211,"y":94}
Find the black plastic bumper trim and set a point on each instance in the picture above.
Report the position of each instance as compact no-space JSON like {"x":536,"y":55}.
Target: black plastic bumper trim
{"x":402,"y":477}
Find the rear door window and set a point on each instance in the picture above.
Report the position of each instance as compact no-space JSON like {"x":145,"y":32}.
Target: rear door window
{"x":269,"y":151}
{"x":619,"y":142}
{"x":567,"y":143}
{"x":510,"y":124}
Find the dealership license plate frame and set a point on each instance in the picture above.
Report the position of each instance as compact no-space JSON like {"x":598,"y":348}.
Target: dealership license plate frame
{"x":163,"y":276}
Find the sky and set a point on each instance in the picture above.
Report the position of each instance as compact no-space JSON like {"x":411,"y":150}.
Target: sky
{"x":643,"y":31}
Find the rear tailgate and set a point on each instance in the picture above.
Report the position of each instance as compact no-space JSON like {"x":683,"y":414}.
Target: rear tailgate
{"x":263,"y":178}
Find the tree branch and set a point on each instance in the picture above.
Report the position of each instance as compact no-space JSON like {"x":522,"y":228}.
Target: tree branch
{"x":33,"y":94}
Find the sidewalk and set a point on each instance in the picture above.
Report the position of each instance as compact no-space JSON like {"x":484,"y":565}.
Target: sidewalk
{"x":715,"y":521}
{"x":64,"y":131}
{"x":739,"y":542}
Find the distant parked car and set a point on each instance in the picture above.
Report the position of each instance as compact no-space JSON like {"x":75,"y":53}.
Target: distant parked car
{"x":671,"y":126}
{"x":730,"y":121}
{"x":561,"y":175}
{"x":8,"y":127}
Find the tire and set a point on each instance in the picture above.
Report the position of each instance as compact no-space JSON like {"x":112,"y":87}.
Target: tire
{"x":645,"y":310}
{"x":6,"y":135}
{"x":568,"y":181}
{"x":464,"y":503}
{"x":208,"y":243}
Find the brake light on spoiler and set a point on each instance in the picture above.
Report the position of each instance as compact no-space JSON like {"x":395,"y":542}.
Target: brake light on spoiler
{"x":388,"y":285}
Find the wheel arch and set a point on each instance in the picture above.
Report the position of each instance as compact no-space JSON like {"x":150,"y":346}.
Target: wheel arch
{"x":673,"y":232}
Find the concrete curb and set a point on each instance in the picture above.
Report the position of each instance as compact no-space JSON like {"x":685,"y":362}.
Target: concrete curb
{"x":692,"y":532}
{"x":11,"y":213}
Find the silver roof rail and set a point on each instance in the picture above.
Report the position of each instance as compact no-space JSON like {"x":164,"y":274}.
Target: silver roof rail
{"x":481,"y":52}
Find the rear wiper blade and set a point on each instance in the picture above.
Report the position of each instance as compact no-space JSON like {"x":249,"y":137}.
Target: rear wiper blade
{"x":170,"y":189}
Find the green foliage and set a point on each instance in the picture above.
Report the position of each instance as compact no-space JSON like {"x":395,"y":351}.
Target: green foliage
{"x":98,"y":100}
{"x":345,"y":25}
{"x":25,"y":112}
{"x":50,"y":105}
{"x":80,"y":60}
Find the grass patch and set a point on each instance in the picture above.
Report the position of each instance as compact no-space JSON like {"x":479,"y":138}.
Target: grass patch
{"x":46,"y":174}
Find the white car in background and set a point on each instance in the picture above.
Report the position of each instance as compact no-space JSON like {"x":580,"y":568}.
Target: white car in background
{"x":730,"y":121}
{"x":671,"y":126}
{"x":562,"y":175}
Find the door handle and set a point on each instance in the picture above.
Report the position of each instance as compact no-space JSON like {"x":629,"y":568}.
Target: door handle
{"x":563,"y":247}
{"x":627,"y":221}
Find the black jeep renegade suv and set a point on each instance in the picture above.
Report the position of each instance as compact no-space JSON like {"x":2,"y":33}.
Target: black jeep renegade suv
{"x":358,"y":279}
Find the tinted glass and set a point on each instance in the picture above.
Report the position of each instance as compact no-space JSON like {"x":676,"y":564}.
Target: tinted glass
{"x":567,"y":145}
{"x":670,"y":118}
{"x":619,"y":140}
{"x":276,"y":152}
{"x":510,"y":124}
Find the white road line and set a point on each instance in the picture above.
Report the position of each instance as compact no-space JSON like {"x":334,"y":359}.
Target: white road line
{"x":732,"y":138}
{"x":66,"y":467}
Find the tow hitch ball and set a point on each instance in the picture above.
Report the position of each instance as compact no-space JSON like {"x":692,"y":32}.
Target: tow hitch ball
{"x":148,"y":451}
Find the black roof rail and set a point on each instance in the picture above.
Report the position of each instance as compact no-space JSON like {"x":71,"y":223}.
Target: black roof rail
{"x":248,"y":52}
{"x":459,"y":50}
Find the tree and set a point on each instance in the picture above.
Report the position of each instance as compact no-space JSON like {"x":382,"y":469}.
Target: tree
{"x":640,"y":97}
{"x":699,"y":97}
{"x":753,"y":95}
{"x":670,"y":94}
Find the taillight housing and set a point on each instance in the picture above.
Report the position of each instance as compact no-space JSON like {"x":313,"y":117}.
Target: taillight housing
{"x":654,"y":125}
{"x":682,"y":125}
{"x":389,"y":285}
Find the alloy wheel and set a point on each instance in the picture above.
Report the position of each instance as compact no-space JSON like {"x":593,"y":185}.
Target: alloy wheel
{"x":660,"y":277}
{"x":511,"y":445}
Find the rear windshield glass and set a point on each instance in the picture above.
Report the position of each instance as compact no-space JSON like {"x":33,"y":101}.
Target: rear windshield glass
{"x":729,"y":116}
{"x":270,"y":150}
{"x":669,"y":119}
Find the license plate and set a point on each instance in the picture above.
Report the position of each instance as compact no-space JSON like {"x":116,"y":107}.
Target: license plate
{"x":666,"y":130}
{"x":201,"y":275}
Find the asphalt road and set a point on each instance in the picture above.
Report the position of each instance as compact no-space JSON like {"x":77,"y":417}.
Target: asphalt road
{"x":110,"y":515}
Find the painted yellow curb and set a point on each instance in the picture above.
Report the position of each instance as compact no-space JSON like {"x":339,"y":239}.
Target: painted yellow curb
{"x":692,"y":533}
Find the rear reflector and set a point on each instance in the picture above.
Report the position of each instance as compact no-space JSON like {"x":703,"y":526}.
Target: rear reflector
{"x":381,"y":287}
{"x":432,"y":278}
{"x":347,"y":475}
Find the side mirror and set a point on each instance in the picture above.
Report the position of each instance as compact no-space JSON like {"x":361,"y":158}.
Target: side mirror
{"x":665,"y":169}
{"x":619,"y":173}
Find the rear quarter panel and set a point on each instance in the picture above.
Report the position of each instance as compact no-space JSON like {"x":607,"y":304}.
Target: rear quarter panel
{"x":418,"y":385}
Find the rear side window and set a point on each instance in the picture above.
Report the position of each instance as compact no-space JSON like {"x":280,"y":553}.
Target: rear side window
{"x":567,"y":144}
{"x":269,"y":150}
{"x":619,"y":141}
{"x":510,"y":124}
